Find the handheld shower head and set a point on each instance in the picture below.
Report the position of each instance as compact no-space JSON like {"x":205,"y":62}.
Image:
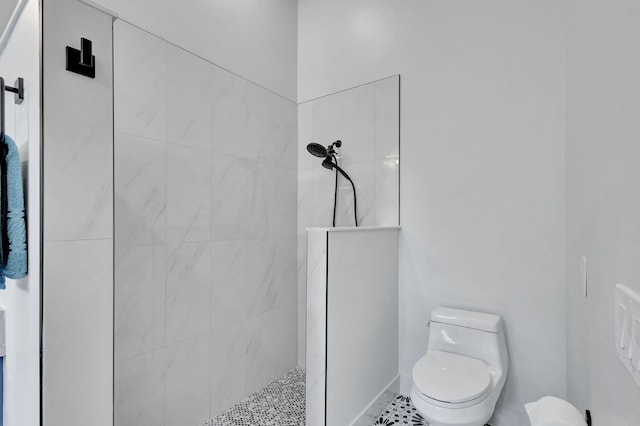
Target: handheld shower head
{"x":328,"y":163}
{"x":317,"y":150}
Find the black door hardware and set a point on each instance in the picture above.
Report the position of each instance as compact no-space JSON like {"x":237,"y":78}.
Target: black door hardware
{"x":82,"y":61}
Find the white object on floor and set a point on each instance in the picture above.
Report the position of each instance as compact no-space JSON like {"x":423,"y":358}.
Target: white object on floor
{"x":552,"y":411}
{"x":459,"y":380}
{"x":627,"y":329}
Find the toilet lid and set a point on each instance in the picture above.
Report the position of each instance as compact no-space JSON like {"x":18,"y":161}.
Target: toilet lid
{"x":451,"y":378}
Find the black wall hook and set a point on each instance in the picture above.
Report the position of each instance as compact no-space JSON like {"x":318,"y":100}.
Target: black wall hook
{"x":18,"y":90}
{"x":82,"y":61}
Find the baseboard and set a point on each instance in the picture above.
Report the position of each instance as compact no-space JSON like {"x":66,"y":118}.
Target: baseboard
{"x":373,"y":411}
{"x":405,"y":385}
{"x":505,"y":416}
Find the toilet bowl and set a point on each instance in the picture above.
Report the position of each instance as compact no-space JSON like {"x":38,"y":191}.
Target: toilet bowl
{"x":459,"y":380}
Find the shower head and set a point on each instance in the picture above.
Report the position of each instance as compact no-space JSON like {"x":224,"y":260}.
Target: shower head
{"x":317,"y":150}
{"x":328,"y":163}
{"x":320,"y":151}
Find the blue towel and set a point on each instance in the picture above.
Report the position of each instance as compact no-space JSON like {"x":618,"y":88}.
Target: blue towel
{"x":16,"y":260}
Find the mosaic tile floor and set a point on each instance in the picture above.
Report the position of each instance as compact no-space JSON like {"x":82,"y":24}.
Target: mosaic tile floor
{"x":401,"y":412}
{"x":282,"y":403}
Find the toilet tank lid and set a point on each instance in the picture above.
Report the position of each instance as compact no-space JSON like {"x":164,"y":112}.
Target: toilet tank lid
{"x":471,"y":319}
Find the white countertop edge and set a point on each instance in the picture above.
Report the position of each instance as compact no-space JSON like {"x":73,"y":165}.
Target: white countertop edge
{"x":352,"y":228}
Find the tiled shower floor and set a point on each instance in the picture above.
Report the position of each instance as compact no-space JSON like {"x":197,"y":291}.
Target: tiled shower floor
{"x":282,"y":403}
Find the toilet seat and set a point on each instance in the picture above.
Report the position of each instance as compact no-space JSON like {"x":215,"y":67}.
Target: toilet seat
{"x":448,"y":379}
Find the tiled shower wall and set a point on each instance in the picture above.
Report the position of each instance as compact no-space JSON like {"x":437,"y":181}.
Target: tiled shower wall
{"x":77,"y":215}
{"x":205,"y":238}
{"x":367,"y":121}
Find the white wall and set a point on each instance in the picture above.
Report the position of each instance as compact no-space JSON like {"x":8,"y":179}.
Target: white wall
{"x":482,"y":179}
{"x":255,"y":39}
{"x":78,"y":221}
{"x":21,"y":299}
{"x":603,"y":205}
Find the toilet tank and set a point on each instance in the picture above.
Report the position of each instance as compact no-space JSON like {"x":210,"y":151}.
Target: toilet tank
{"x":475,"y":334}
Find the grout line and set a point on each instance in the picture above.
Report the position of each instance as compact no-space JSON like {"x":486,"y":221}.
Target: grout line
{"x":376,"y":178}
{"x":78,"y":240}
{"x":399,"y":145}
{"x":212,"y":151}
{"x":165,"y":245}
{"x":163,"y":347}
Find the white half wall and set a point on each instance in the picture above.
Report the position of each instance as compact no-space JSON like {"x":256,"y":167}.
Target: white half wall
{"x":482,"y":147}
{"x":255,"y":39}
{"x":362,"y":321}
{"x":352,"y":324}
{"x":21,"y":299}
{"x":603,"y":201}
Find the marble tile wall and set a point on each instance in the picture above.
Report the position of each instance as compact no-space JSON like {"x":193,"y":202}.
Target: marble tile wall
{"x":367,"y":121}
{"x":77,"y":311}
{"x":205,"y":217}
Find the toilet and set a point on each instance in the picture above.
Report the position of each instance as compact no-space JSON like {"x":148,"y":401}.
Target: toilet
{"x":459,"y":380}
